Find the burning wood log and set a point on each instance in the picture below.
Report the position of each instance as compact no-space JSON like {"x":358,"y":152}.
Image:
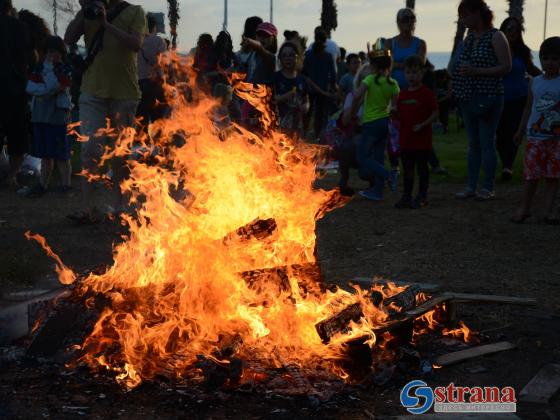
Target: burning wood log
{"x":338,"y":323}
{"x":300,"y":381}
{"x":257,"y":229}
{"x":220,"y":373}
{"x":59,"y":321}
{"x":309,"y":276}
{"x":229,"y":345}
{"x":260,"y":279}
{"x":367,"y":283}
{"x":411,"y":314}
{"x":402,"y":301}
{"x":396,"y":304}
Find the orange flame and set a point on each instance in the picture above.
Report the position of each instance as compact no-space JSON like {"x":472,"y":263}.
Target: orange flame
{"x":178,"y":285}
{"x":462,"y":332}
{"x":65,"y":274}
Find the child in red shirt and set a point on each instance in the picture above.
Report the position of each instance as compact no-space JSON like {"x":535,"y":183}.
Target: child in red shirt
{"x":417,"y":109}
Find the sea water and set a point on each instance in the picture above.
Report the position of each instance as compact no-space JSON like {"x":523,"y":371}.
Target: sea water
{"x":440,"y":60}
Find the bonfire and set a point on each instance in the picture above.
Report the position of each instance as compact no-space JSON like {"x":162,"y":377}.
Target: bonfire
{"x":218,"y":270}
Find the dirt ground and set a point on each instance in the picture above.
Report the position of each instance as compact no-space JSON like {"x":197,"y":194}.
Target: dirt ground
{"x":463,"y":246}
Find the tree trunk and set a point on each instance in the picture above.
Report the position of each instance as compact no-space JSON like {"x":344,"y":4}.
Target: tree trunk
{"x":411,"y":4}
{"x":516,"y":9}
{"x":459,"y":36}
{"x":55,"y":12}
{"x":173,"y":15}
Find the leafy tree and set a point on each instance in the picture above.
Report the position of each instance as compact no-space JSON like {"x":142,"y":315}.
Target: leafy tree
{"x":516,"y":9}
{"x":173,"y":15}
{"x":459,"y":36}
{"x":329,"y":16}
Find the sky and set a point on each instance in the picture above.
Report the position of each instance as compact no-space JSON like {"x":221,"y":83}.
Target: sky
{"x":359,"y":21}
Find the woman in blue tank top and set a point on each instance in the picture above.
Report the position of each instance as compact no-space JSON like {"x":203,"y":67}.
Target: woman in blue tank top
{"x":401,"y":47}
{"x":405,"y":44}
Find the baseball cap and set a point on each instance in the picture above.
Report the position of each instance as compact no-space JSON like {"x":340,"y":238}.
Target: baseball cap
{"x":267,"y":28}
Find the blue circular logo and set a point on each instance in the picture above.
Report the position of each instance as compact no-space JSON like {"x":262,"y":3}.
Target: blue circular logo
{"x":417,"y":397}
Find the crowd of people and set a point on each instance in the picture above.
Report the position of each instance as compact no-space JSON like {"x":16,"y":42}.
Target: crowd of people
{"x":369,"y":106}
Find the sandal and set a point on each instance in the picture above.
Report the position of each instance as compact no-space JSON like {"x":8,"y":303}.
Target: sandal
{"x":552,"y":221}
{"x":83,"y":218}
{"x":520,"y":219}
{"x":484,"y":195}
{"x":465,"y":194}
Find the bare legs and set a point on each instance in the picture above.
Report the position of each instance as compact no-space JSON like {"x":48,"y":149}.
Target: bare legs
{"x":64,"y":169}
{"x":550,"y":193}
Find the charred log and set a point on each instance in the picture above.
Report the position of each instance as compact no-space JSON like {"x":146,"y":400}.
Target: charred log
{"x":220,"y":373}
{"x":257,"y":229}
{"x":309,"y":277}
{"x":402,"y":301}
{"x":358,"y":358}
{"x":338,"y":323}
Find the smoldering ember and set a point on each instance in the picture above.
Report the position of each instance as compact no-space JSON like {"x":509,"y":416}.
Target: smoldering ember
{"x":220,"y":263}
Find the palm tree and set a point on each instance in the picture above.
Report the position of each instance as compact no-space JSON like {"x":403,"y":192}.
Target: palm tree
{"x":329,"y":15}
{"x":459,"y":36}
{"x":516,"y":9}
{"x":411,"y":4}
{"x":173,"y":15}
{"x":55,"y":23}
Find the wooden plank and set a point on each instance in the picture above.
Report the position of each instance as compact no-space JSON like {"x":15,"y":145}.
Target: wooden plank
{"x":426,"y":306}
{"x":14,"y":319}
{"x":543,"y":386}
{"x":412,"y":314}
{"x":468,"y":297}
{"x":459,"y":356}
{"x":461,"y":416}
{"x":367,"y":282}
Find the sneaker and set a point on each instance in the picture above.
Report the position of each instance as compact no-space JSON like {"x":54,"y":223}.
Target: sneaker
{"x":346,"y":191}
{"x":419,"y":202}
{"x":36,"y":191}
{"x":466,"y":194}
{"x":91,"y":217}
{"x":484,"y":195}
{"x":371,"y":195}
{"x":64,"y":190}
{"x":439,"y":171}
{"x":507,"y":175}
{"x":403,"y":203}
{"x":393,"y":180}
